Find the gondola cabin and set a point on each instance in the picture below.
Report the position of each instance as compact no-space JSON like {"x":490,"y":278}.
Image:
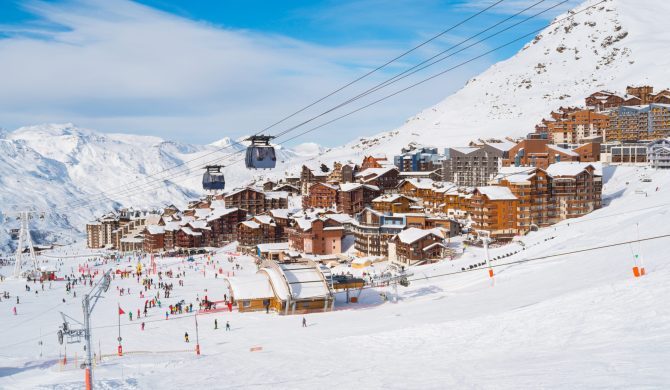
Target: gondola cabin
{"x":213,"y":179}
{"x":260,"y":154}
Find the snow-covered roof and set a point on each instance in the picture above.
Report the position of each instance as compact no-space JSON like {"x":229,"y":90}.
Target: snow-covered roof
{"x":256,"y":286}
{"x":305,"y":281}
{"x":273,"y":246}
{"x":155,"y":229}
{"x":220,"y":212}
{"x":172,"y":226}
{"x":567,"y":168}
{"x":185,"y":220}
{"x":497,"y":193}
{"x":276,"y":194}
{"x":217,"y":204}
{"x":264,"y":219}
{"x":562,"y":150}
{"x":238,"y":190}
{"x":331,"y":186}
{"x":424,"y":184}
{"x":503,"y":146}
{"x":465,"y":149}
{"x":433,"y":245}
{"x":376,"y":172}
{"x":515,"y":174}
{"x":251,"y":224}
{"x":199,"y":224}
{"x":281,"y":213}
{"x":278,"y":282}
{"x":304,"y":223}
{"x":390,"y":198}
{"x":202,"y":213}
{"x":341,"y":218}
{"x":190,"y":232}
{"x":346,"y":187}
{"x":413,"y":234}
{"x":132,"y":239}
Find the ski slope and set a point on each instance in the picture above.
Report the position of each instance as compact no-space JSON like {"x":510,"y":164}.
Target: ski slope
{"x":572,"y":321}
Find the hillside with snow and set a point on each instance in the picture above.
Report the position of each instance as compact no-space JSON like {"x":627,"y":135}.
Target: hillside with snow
{"x":610,"y":46}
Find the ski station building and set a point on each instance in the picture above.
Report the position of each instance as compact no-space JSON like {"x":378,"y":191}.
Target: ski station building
{"x":288,"y":288}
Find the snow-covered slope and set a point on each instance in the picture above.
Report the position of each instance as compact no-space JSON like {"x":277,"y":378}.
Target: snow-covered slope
{"x":615,"y":44}
{"x":573,"y":321}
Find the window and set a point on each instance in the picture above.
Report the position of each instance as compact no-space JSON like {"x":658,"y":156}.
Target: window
{"x":246,"y":303}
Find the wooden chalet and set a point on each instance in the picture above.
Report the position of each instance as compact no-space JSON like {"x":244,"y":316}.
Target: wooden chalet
{"x":494,"y":209}
{"x":352,"y":198}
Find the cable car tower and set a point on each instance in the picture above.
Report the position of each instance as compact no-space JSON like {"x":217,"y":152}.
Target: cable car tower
{"x":25,"y":240}
{"x":75,"y":335}
{"x":260,"y":154}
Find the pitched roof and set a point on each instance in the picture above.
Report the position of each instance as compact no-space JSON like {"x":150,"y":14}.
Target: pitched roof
{"x":497,"y":193}
{"x":376,"y":172}
{"x":388,"y":198}
{"x":413,"y":234}
{"x":562,"y":150}
{"x":346,"y":187}
{"x":264,"y":219}
{"x":190,"y":232}
{"x":251,"y":224}
{"x":567,"y":168}
{"x":503,"y":146}
{"x":220,"y":212}
{"x":155,"y":229}
{"x":465,"y":149}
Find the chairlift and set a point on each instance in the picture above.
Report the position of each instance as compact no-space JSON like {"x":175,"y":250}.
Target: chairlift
{"x":213,"y":178}
{"x":260,"y":154}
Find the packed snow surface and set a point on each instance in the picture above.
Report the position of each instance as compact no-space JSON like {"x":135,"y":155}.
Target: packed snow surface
{"x":577,"y":320}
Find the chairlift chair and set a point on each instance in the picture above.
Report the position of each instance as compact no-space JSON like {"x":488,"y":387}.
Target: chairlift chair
{"x":213,"y":179}
{"x":260,"y":154}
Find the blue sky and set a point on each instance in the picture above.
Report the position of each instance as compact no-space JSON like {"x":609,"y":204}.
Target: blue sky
{"x":198,"y":71}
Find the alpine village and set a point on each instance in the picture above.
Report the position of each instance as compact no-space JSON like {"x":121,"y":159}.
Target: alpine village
{"x":425,"y":205}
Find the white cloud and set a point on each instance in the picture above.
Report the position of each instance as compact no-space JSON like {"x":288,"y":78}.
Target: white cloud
{"x":123,"y":67}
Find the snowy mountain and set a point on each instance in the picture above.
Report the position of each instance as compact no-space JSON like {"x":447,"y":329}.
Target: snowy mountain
{"x":63,"y":168}
{"x":77,"y":174}
{"x":610,"y":46}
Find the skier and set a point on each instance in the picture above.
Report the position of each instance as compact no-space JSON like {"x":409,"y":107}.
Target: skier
{"x":130,"y":315}
{"x":14,"y":310}
{"x":17,"y":299}
{"x":143,"y":326}
{"x":304,"y":322}
{"x":227,"y":325}
{"x":166,"y":315}
{"x":186,"y":337}
{"x":216,"y":324}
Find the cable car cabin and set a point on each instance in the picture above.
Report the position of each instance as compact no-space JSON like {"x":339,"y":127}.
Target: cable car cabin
{"x":260,"y":154}
{"x":213,"y":178}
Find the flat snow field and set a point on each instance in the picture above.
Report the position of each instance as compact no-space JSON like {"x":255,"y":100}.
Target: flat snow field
{"x":571,"y":321}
